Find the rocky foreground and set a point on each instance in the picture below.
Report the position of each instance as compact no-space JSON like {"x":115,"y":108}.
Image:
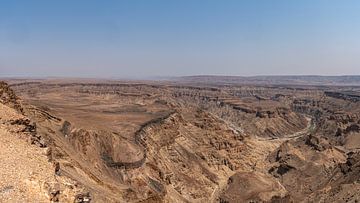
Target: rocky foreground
{"x":27,"y":175}
{"x":126,"y":142}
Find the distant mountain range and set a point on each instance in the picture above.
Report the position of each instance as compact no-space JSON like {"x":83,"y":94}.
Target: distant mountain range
{"x":313,"y":80}
{"x":351,"y":80}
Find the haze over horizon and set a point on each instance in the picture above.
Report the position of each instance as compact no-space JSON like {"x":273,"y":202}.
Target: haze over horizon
{"x":120,"y":39}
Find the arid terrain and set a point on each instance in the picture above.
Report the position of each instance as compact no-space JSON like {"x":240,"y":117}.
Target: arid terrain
{"x":185,"y":140}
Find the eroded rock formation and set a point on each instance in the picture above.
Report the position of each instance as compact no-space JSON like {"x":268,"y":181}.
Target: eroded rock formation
{"x":165,"y":142}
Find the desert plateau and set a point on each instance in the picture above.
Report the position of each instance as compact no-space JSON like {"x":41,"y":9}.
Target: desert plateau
{"x":177,"y":141}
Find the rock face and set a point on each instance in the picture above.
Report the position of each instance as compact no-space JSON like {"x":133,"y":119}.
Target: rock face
{"x":311,"y":168}
{"x":251,"y":187}
{"x":8,"y":97}
{"x":26,"y":173}
{"x":354,"y":97}
{"x":168,"y":142}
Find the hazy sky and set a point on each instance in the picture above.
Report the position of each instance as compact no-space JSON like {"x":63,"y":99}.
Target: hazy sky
{"x":134,"y":38}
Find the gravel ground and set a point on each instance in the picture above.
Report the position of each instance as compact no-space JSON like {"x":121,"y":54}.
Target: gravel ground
{"x":24,"y":170}
{"x":25,"y":173}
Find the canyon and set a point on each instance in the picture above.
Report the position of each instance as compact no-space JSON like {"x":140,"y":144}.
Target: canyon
{"x":186,"y":140}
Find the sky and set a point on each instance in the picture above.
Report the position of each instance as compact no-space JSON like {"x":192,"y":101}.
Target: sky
{"x":151,"y":38}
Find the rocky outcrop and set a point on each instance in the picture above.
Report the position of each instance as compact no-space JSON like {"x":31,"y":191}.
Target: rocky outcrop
{"x":316,"y":143}
{"x":341,"y":184}
{"x":353,"y":97}
{"x":19,"y":123}
{"x":251,"y":187}
{"x":8,"y":97}
{"x":27,"y":174}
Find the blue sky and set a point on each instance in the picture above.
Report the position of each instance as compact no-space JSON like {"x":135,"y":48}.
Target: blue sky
{"x":134,"y":38}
